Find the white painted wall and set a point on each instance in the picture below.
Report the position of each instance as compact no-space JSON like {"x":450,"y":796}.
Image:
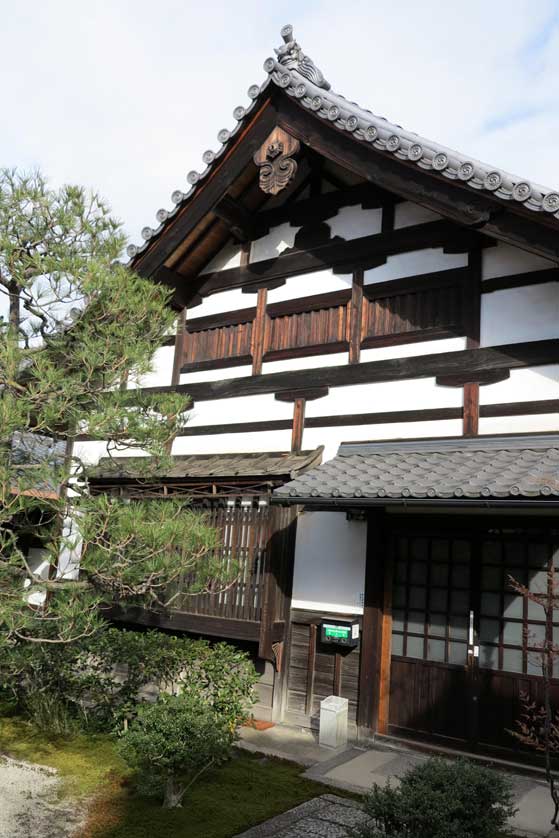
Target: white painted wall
{"x":234,"y":443}
{"x":506,"y":260}
{"x":305,"y":285}
{"x":273,"y":243}
{"x":408,"y":214}
{"x":311,"y":362}
{"x":355,"y":222}
{"x":538,"y":423}
{"x":415,"y":262}
{"x":331,"y":438}
{"x":409,"y":350}
{"x":524,"y":385}
{"x":514,"y":315}
{"x":240,"y":409}
{"x":228,"y":257}
{"x":329,"y":563}
{"x":223,"y":301}
{"x":216,"y":375}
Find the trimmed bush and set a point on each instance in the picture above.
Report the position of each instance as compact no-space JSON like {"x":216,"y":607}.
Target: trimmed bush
{"x":440,"y":799}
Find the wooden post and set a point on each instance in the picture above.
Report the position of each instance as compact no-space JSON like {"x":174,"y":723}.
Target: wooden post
{"x":470,"y":423}
{"x":311,"y":658}
{"x":179,"y":347}
{"x":374,"y":673}
{"x":338,"y":663}
{"x":298,"y":425}
{"x":356,"y":315}
{"x":258,"y":331}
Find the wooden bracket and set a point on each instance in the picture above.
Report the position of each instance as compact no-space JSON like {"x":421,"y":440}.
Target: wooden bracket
{"x":275,"y":160}
{"x":480,"y":377}
{"x":310,"y":394}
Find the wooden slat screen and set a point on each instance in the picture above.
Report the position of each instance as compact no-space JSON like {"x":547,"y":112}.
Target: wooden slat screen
{"x":244,"y":548}
{"x":228,"y":341}
{"x":305,"y":329}
{"x":437,"y":309}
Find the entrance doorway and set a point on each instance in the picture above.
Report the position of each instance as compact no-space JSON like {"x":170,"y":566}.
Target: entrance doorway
{"x":464,"y":644}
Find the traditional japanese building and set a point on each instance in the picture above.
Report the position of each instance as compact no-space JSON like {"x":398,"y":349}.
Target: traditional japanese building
{"x":368,"y":325}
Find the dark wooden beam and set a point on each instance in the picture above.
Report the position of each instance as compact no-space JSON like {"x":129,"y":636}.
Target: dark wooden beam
{"x":311,"y":659}
{"x":230,"y":166}
{"x":236,"y":217}
{"x":501,"y":283}
{"x":309,"y":394}
{"x":364,"y":252}
{"x":454,"y":200}
{"x":487,"y":377}
{"x":509,"y":356}
{"x":193,"y":623}
{"x":183,"y":295}
{"x":470,"y":422}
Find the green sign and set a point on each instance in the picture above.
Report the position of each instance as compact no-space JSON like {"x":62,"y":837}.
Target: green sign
{"x":340,"y":632}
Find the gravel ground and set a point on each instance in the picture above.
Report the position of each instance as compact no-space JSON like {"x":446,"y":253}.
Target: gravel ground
{"x":28,"y":803}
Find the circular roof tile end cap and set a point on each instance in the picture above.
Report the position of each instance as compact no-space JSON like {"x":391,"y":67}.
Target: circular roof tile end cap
{"x":300,"y":90}
{"x":253,"y":91}
{"x":466,"y":171}
{"x":371,"y":133}
{"x":440,"y":162}
{"x":284,"y":80}
{"x":521,"y":191}
{"x":459,"y":492}
{"x":358,"y":493}
{"x":314,"y":493}
{"x":415,"y":152}
{"x":147,"y":233}
{"x":238,"y":113}
{"x":162,"y":215}
{"x":223,"y":135}
{"x":293,"y":493}
{"x":193,"y":177}
{"x":550,"y":202}
{"x":486,"y":492}
{"x":545,"y":490}
{"x":406,"y":493}
{"x":431,"y":493}
{"x":493,"y":181}
{"x":208,"y":157}
{"x":514,"y":490}
{"x":393,"y":143}
{"x":269,"y":65}
{"x":177,"y":196}
{"x":132,"y":250}
{"x":333,"y":113}
{"x":351,"y":123}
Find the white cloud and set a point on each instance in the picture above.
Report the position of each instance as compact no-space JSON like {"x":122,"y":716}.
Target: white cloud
{"x":125,"y":96}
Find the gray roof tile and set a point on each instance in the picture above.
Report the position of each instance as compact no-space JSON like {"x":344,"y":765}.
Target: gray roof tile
{"x":485,"y":467}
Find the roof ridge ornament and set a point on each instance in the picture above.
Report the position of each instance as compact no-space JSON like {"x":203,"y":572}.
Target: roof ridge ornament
{"x":291,"y":56}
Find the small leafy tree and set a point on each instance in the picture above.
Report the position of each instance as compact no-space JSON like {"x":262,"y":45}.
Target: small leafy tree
{"x":538,"y":725}
{"x":75,"y":327}
{"x":440,"y":799}
{"x":175,"y":741}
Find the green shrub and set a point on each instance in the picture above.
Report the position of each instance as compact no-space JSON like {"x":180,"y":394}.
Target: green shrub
{"x":172,"y":742}
{"x":440,"y":799}
{"x":98,"y":683}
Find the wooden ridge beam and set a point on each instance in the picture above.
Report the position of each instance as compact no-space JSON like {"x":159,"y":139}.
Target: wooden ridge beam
{"x":236,"y":217}
{"x":509,"y":356}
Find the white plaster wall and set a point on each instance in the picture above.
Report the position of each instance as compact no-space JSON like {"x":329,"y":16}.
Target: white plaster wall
{"x":233,"y":443}
{"x":505,"y":260}
{"x":162,"y":370}
{"x":538,"y":423}
{"x":337,"y":359}
{"x":228,"y":257}
{"x":331,"y":438}
{"x":409,"y":350}
{"x":524,"y":385}
{"x":223,"y":301}
{"x":216,"y":375}
{"x":355,"y":222}
{"x":240,"y":409}
{"x":305,"y":285}
{"x":415,"y":262}
{"x":408,"y":214}
{"x":273,"y":243}
{"x":410,"y":394}
{"x":329,"y":563}
{"x":514,"y":315}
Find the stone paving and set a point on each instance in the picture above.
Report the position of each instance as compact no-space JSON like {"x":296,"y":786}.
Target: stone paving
{"x":328,"y":816}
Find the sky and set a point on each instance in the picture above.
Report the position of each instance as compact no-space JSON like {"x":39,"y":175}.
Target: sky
{"x":125,"y":96}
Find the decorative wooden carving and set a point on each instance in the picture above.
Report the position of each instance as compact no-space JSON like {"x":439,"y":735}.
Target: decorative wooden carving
{"x":275,"y":160}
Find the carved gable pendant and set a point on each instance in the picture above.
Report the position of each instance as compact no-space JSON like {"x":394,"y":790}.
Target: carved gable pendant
{"x":275,"y":160}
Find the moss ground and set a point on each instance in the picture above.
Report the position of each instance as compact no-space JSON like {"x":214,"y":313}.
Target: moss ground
{"x":247,"y":790}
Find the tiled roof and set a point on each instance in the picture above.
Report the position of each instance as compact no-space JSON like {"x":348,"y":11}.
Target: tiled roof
{"x":272,"y":464}
{"x":481,"y":468}
{"x":31,"y":454}
{"x":296,"y":73}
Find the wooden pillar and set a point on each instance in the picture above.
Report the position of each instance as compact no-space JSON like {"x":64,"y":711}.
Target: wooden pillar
{"x":298,"y":425}
{"x":470,"y":423}
{"x":311,"y":660}
{"x":355,"y":325}
{"x":258,"y":331}
{"x":179,"y":347}
{"x":374,"y":672}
